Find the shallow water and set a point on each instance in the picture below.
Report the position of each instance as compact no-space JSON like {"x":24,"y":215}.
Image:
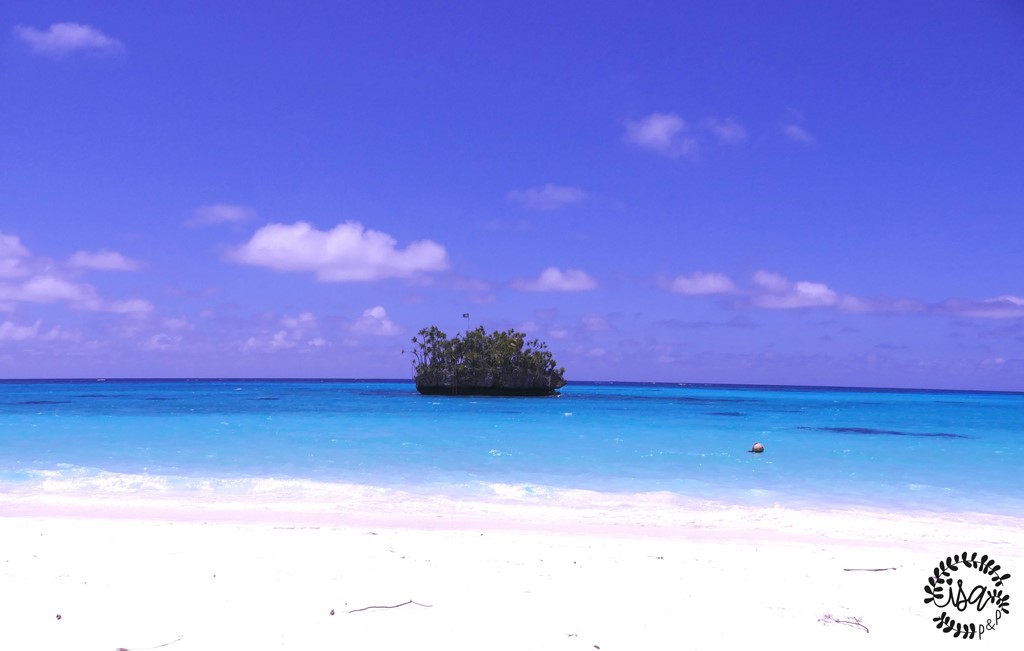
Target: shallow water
{"x":894,"y":450}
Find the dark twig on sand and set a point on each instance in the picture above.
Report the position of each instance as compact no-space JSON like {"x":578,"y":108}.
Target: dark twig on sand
{"x":856,"y":622}
{"x":405,"y":603}
{"x":145,"y":648}
{"x":867,"y":569}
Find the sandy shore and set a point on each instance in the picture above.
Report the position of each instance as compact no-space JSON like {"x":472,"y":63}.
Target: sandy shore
{"x":444,"y":575}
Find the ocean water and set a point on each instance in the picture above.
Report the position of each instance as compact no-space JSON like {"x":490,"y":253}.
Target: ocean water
{"x":881,"y":449}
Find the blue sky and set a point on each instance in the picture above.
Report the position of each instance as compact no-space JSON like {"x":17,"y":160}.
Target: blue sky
{"x":815,"y":193}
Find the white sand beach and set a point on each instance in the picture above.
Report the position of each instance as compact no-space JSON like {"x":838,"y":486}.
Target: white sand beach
{"x":422,"y":574}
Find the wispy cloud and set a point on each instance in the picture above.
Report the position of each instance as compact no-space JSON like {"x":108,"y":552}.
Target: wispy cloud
{"x":375,"y":321}
{"x":595,"y":323}
{"x":177,"y":323}
{"x":670,"y":135}
{"x":664,"y":133}
{"x":294,"y":333}
{"x":736,"y":322}
{"x":553,"y":279}
{"x":701,"y":283}
{"x":219,"y":213}
{"x":168,"y":341}
{"x":778,"y":293}
{"x":13,"y":256}
{"x":280,"y":340}
{"x":300,"y":323}
{"x":10,"y":331}
{"x":137,"y":306}
{"x":162,"y":342}
{"x":48,"y":288}
{"x":797,"y":133}
{"x":1003,"y":307}
{"x":773,"y":291}
{"x":103,"y":261}
{"x":25,"y":278}
{"x":64,"y":38}
{"x":346,"y":253}
{"x":725,"y":130}
{"x":547,"y":197}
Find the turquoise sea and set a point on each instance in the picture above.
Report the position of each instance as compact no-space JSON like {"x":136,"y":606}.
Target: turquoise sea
{"x":883,"y":449}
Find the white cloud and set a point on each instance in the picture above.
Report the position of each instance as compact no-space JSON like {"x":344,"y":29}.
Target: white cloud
{"x":219,"y":213}
{"x":63,"y":38}
{"x":280,"y":340}
{"x":670,"y":135}
{"x":136,"y":306}
{"x":162,"y":342}
{"x":701,"y":283}
{"x":346,"y":253}
{"x":595,"y":323}
{"x":773,"y":291}
{"x":103,"y":261}
{"x":293,"y":334}
{"x":664,"y":133}
{"x":553,"y":279}
{"x":771,"y":281}
{"x":547,"y":197}
{"x":1015,"y":301}
{"x":375,"y":321}
{"x":13,"y":256}
{"x":302,"y":322}
{"x":25,"y":278}
{"x":797,"y":133}
{"x":10,"y":331}
{"x":726,"y":130}
{"x":1002,"y":307}
{"x":50,"y":289}
{"x":779,"y":293}
{"x":53,"y":289}
{"x":529,"y":327}
{"x":177,"y":323}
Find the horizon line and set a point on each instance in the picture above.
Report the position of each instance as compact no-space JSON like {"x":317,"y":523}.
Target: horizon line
{"x":695,"y":385}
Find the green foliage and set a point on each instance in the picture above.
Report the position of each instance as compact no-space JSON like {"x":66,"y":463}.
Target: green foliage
{"x":496,"y":362}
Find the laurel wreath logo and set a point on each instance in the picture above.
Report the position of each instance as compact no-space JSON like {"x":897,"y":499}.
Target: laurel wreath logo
{"x":941,"y":593}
